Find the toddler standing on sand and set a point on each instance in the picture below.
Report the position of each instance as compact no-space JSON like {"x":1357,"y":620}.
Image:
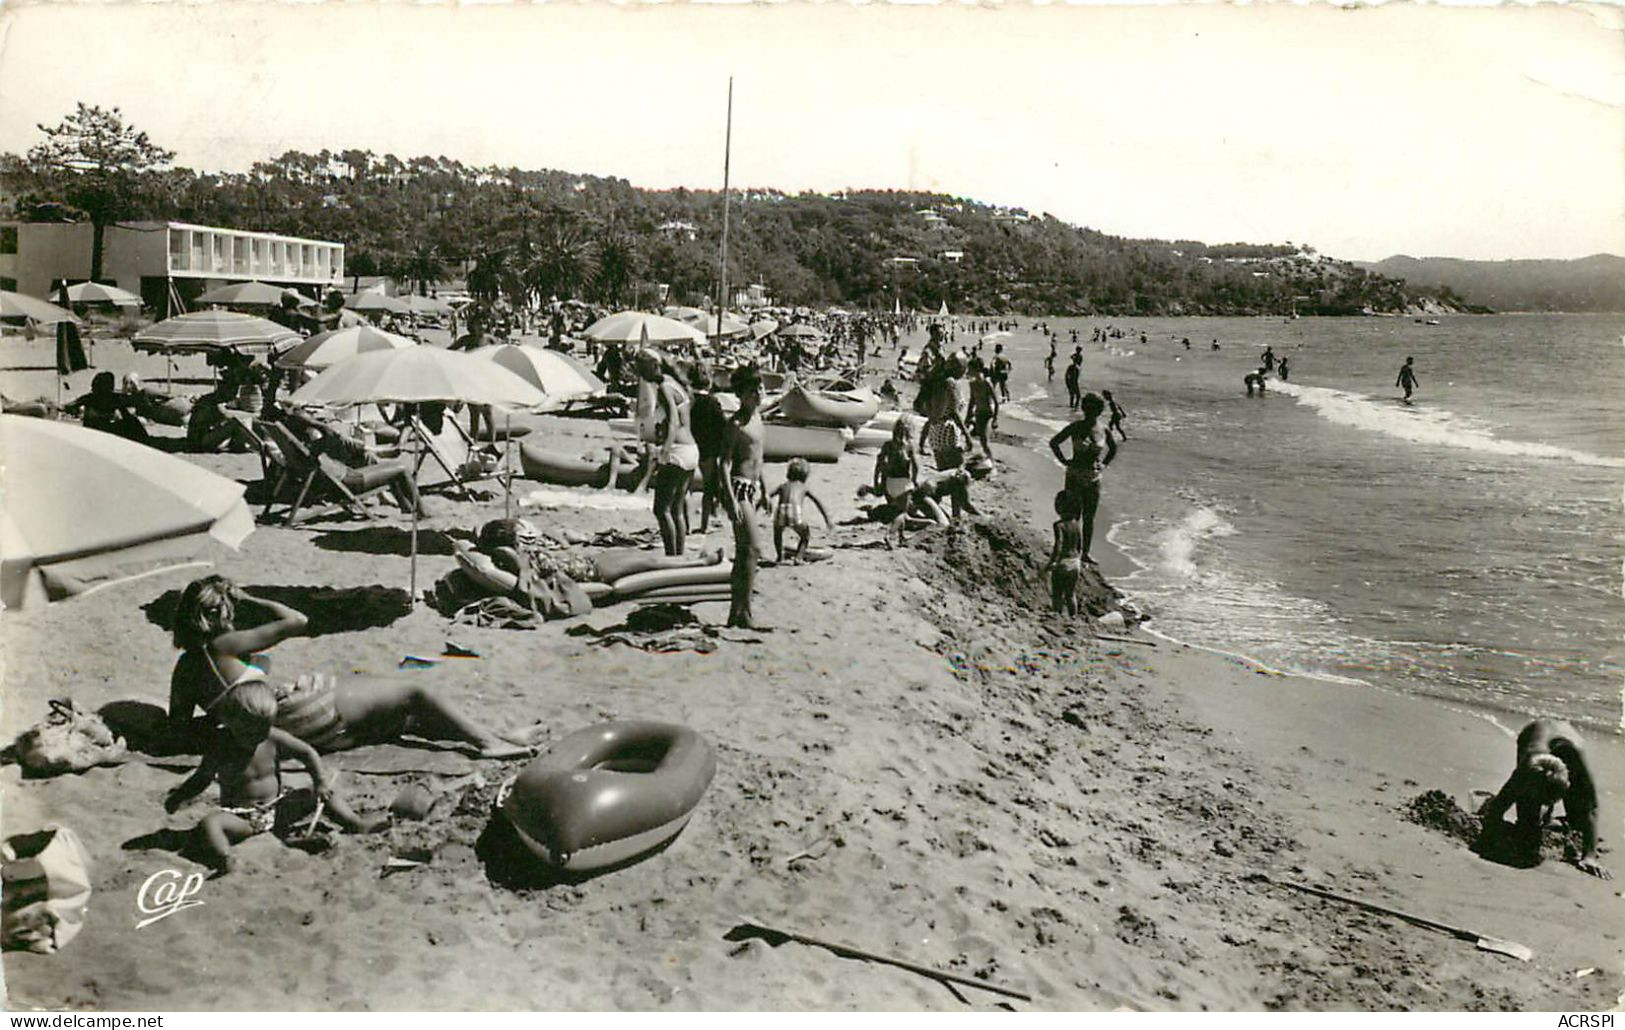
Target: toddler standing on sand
{"x":789,"y":510}
{"x":245,"y":757}
{"x":1066,"y":557}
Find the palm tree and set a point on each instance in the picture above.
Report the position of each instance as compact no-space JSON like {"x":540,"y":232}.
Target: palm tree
{"x":563,"y":261}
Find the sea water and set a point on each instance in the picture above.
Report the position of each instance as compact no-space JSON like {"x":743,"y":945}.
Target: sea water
{"x":1468,"y":546}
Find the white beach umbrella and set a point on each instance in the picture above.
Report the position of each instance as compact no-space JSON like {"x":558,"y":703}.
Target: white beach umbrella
{"x":85,"y":506}
{"x":642,"y":327}
{"x":101,"y":293}
{"x":377,"y":302}
{"x":327,"y":349}
{"x":426,"y":305}
{"x":249,"y":294}
{"x":21,"y":305}
{"x":418,"y":375}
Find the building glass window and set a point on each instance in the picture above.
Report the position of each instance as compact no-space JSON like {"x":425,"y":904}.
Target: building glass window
{"x":8,"y":239}
{"x":8,"y":284}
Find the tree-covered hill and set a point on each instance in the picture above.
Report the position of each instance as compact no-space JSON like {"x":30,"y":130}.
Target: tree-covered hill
{"x":551,"y":233}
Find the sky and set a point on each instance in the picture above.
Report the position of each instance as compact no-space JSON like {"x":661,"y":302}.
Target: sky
{"x":1475,"y":132}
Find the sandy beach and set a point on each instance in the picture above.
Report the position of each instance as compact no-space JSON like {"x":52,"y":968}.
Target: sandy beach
{"x":919,"y":760}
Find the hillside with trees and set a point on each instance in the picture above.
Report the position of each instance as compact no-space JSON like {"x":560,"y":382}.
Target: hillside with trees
{"x":1595,"y":283}
{"x":549,"y":233}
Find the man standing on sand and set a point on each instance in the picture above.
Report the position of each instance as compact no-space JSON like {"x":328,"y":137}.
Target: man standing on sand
{"x":1092,"y":450}
{"x":1001,"y":371}
{"x":740,"y":468}
{"x":1072,"y":372}
{"x":1551,"y":768}
{"x":1407,"y":378}
{"x":983,"y":408}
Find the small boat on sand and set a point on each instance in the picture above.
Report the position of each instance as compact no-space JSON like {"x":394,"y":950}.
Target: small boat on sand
{"x":835,"y":404}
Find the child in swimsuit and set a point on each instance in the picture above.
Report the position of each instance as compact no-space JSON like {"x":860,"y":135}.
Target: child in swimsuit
{"x":789,"y":511}
{"x":1066,"y":557}
{"x":246,"y":758}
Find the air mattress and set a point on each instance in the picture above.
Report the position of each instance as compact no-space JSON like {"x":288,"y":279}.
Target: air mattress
{"x":567,"y":470}
{"x":642,"y":582}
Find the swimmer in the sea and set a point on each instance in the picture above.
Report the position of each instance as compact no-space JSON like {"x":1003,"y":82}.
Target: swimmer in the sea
{"x":1407,"y":378}
{"x":789,"y":509}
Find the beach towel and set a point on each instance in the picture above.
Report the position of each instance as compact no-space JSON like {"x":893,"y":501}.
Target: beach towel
{"x":562,"y":498}
{"x":70,"y":739}
{"x":44,"y":887}
{"x":497,"y":612}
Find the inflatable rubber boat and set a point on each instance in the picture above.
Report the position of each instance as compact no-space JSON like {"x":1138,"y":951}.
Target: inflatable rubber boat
{"x":569,"y":470}
{"x":838,"y":404}
{"x":781,"y":441}
{"x":608,"y":794}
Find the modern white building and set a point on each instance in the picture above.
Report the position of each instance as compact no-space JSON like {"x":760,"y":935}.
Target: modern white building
{"x":149,"y":258}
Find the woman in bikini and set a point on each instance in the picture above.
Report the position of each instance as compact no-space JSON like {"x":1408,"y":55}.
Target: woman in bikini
{"x":216,"y":657}
{"x":897,"y":474}
{"x":678,"y":455}
{"x":1093,"y":448}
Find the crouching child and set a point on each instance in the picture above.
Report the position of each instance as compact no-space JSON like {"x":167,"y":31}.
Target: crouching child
{"x":245,"y":757}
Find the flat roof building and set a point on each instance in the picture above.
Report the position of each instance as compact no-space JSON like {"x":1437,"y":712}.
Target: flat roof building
{"x":148,"y":258}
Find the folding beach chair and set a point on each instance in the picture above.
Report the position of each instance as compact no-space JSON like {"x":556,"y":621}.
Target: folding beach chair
{"x":450,"y":451}
{"x":299,"y":466}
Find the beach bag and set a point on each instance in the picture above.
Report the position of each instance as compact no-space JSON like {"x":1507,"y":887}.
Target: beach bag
{"x":44,"y":888}
{"x":70,"y":739}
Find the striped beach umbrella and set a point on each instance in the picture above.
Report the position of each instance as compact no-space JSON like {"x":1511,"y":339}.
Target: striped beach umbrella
{"x":330,"y":348}
{"x":213,"y":330}
{"x":558,"y":375}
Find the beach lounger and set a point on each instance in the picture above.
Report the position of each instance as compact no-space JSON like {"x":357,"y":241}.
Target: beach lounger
{"x":300,"y":468}
{"x":449,"y":451}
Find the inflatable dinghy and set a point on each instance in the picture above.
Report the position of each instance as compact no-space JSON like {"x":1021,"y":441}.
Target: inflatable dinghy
{"x":568,"y":470}
{"x":608,"y":793}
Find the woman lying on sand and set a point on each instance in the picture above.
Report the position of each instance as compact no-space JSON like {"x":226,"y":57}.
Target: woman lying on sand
{"x":511,"y":554}
{"x":325,"y":713}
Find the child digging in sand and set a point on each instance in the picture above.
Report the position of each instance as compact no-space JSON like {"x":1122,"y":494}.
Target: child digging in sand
{"x":245,"y":757}
{"x":1066,"y":558}
{"x":789,"y":509}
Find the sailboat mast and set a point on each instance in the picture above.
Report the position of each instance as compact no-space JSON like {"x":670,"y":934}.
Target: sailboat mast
{"x":727,"y":154}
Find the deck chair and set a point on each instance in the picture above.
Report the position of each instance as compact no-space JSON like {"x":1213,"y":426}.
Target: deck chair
{"x":450,"y":452}
{"x":300,"y":467}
